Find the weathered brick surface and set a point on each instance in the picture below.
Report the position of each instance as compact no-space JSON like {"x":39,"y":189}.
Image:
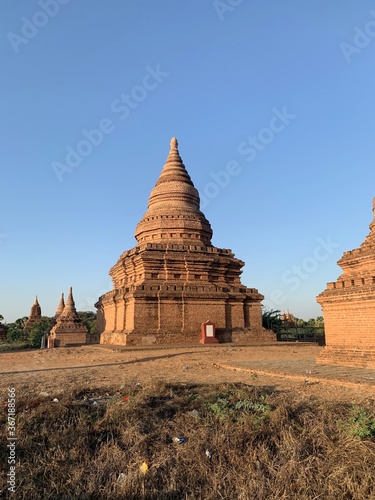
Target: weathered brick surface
{"x":175,"y":279}
{"x":349,"y":308}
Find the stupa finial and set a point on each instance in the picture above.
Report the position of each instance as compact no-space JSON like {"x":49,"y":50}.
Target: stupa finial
{"x":174,"y":143}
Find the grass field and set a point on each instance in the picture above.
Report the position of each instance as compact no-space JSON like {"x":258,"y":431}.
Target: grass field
{"x":238,"y":442}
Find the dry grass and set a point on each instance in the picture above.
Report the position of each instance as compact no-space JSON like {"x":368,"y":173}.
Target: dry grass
{"x":241,"y":442}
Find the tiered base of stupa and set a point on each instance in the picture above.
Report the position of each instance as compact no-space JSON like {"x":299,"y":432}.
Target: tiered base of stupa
{"x":71,"y":335}
{"x":177,"y":293}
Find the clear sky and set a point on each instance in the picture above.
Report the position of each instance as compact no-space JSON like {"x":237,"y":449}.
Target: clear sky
{"x":273,"y":106}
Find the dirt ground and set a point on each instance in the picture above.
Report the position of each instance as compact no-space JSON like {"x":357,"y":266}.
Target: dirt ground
{"x":283,"y":367}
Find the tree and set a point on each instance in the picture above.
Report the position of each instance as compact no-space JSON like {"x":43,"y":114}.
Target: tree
{"x":3,"y":329}
{"x":15,"y":331}
{"x":271,"y":320}
{"x":89,"y":320}
{"x":36,"y":331}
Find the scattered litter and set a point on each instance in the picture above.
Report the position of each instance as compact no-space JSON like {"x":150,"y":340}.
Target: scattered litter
{"x":44,"y":394}
{"x":208,"y":454}
{"x":122,"y":478}
{"x":126,"y":398}
{"x":94,"y":401}
{"x":311,"y":372}
{"x":179,"y":440}
{"x":186,"y":367}
{"x":144,"y":467}
{"x":194,"y":413}
{"x":55,"y":400}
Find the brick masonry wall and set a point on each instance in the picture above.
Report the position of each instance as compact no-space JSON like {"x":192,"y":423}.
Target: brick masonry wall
{"x":350,"y":331}
{"x":349,"y":308}
{"x":176,"y":312}
{"x":64,"y":339}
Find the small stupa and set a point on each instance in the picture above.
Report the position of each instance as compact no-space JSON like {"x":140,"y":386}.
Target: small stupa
{"x":68,"y":328}
{"x":35,"y":315}
{"x":175,"y":279}
{"x":349,"y":308}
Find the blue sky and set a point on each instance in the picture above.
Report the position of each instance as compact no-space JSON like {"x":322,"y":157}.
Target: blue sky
{"x":278,"y":95}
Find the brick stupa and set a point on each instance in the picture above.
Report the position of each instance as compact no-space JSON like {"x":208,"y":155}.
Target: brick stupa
{"x":68,"y":329}
{"x":349,"y":308}
{"x":175,"y":279}
{"x":35,"y":315}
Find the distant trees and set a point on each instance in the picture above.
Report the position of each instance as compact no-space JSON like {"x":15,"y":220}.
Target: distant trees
{"x":36,"y":331}
{"x":317,"y":324}
{"x":272,"y":320}
{"x":89,"y":320}
{"x":15,"y":331}
{"x":2,"y":328}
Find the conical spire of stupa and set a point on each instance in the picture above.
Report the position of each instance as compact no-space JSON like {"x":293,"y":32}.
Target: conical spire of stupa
{"x":370,"y":238}
{"x":372,"y":225}
{"x":60,"y":307}
{"x":70,"y":308}
{"x":35,"y":311}
{"x":173,"y":207}
{"x":174,"y":169}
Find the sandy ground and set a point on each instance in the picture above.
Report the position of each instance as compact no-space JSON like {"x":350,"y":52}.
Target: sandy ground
{"x":283,"y":367}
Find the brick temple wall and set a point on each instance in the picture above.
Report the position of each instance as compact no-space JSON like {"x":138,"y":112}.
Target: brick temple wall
{"x":349,"y":308}
{"x":350,"y":331}
{"x":176,"y":318}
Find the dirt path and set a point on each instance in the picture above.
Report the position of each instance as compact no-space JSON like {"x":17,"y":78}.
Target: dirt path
{"x":283,"y":367}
